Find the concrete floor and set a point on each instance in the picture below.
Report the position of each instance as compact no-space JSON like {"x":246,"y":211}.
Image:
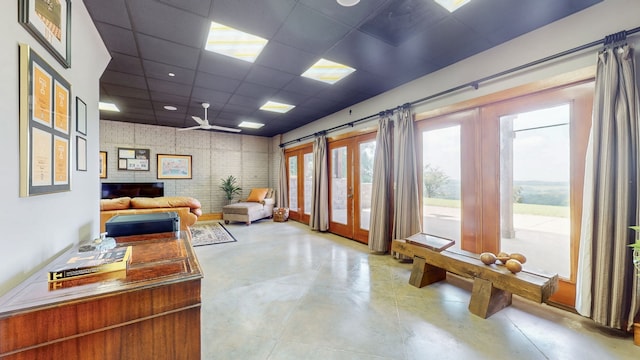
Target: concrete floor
{"x":284,"y":292}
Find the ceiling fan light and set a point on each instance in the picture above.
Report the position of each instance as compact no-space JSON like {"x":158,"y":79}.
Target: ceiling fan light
{"x":348,"y":3}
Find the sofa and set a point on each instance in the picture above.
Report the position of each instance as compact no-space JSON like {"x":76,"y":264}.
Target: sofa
{"x":187,"y":208}
{"x":258,"y":205}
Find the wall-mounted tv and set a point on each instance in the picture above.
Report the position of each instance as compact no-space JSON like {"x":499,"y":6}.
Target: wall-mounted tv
{"x":116,"y":190}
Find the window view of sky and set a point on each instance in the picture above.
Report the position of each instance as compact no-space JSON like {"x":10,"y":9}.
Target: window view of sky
{"x":541,"y":144}
{"x":441,"y":149}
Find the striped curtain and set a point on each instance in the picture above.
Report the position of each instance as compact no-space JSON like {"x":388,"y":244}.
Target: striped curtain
{"x":607,"y":286}
{"x":320,"y":186}
{"x":406,"y":209}
{"x":381,"y":192}
{"x":282,"y":195}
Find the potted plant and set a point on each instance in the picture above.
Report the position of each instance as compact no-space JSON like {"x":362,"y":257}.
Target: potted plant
{"x":229,"y":187}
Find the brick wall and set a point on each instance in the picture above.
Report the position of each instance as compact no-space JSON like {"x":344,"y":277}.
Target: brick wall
{"x":215,"y":155}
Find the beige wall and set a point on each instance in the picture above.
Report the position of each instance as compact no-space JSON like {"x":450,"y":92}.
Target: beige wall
{"x":36,"y":228}
{"x":215,"y":155}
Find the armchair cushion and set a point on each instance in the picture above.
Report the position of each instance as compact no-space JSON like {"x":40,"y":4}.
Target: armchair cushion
{"x":257,"y":194}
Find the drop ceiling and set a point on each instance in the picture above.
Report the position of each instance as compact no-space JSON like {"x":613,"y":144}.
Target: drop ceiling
{"x":388,"y":42}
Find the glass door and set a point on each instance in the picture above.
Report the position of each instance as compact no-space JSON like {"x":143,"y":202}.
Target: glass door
{"x":351,"y":176}
{"x":535,"y":188}
{"x":292,"y":174}
{"x":442,"y":182}
{"x":300,"y":176}
{"x":533,"y":170}
{"x":340,"y":189}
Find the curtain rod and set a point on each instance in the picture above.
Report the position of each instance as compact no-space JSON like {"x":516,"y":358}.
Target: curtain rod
{"x":607,"y":40}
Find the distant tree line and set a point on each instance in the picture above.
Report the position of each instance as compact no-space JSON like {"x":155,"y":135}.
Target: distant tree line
{"x":437,"y":184}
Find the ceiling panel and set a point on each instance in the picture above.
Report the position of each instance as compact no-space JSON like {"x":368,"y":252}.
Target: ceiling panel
{"x":113,"y":12}
{"x":161,"y":71}
{"x":179,"y":26}
{"x":286,"y":58}
{"x":388,"y":42}
{"x":193,"y":6}
{"x":117,"y":39}
{"x":303,"y":26}
{"x":125,"y":64}
{"x":170,"y":53}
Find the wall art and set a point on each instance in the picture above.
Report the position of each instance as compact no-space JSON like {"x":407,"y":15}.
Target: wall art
{"x":49,"y":21}
{"x":44,"y":126}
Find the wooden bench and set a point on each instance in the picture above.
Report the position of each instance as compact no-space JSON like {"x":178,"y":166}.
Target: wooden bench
{"x":493,"y":285}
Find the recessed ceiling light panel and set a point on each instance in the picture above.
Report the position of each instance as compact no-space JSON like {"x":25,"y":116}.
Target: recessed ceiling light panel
{"x":276,"y":107}
{"x":452,"y":5}
{"x":170,"y":108}
{"x":250,"y":125}
{"x":328,"y":71}
{"x":228,"y":41}
{"x":105,"y":106}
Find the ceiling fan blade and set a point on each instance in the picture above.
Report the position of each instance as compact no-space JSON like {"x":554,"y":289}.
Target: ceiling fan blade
{"x":190,"y":128}
{"x":198,"y":120}
{"x":222,"y":128}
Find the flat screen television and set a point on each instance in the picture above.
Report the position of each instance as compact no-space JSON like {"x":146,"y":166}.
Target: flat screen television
{"x":116,"y":190}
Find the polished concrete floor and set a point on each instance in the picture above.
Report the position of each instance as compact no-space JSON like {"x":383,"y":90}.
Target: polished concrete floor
{"x":284,"y":292}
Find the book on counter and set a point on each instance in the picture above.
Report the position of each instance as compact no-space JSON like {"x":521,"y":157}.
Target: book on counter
{"x":85,"y":263}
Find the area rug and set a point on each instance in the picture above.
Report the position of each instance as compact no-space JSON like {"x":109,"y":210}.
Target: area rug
{"x":210,"y":232}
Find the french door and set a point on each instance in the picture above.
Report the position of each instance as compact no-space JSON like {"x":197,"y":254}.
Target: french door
{"x":300,"y":176}
{"x":351,"y":176}
{"x":508,"y":176}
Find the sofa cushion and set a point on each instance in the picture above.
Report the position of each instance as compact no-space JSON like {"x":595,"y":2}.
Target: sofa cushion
{"x":165,"y":202}
{"x":115,"y":204}
{"x":242,"y":208}
{"x":257,"y":194}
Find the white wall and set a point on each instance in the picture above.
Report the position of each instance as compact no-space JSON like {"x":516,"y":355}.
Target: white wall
{"x":214,"y":155}
{"x":36,"y":228}
{"x":591,"y":24}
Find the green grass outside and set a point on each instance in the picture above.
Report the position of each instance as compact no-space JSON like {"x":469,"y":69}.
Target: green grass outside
{"x":526,"y":209}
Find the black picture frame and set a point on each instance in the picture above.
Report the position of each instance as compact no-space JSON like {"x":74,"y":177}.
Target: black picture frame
{"x":55,"y":33}
{"x":134,"y":159}
{"x":81,"y":116}
{"x":81,"y":153}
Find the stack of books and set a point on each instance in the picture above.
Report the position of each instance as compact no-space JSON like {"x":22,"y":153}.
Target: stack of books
{"x":85,"y":263}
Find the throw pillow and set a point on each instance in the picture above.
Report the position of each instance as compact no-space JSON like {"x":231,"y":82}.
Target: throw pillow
{"x":115,"y":204}
{"x":257,"y":194}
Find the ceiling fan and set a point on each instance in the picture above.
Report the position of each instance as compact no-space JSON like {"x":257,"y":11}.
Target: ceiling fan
{"x":204,"y":124}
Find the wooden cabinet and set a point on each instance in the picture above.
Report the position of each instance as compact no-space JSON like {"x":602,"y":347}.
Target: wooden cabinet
{"x":149,"y":311}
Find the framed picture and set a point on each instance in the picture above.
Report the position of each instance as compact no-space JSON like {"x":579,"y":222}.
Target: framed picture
{"x":133,"y":159}
{"x":81,"y":153}
{"x":103,"y":164}
{"x":49,"y":21}
{"x":44,"y":127}
{"x":81,"y":116}
{"x":174,"y":166}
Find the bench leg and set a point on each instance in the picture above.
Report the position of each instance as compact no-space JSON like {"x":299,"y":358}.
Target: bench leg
{"x":487,"y":300}
{"x":424,"y":274}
